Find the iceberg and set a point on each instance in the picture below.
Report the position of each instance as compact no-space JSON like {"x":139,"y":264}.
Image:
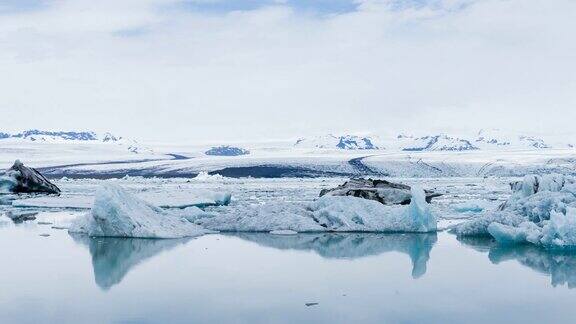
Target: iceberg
{"x":472,"y":206}
{"x":327,"y":214}
{"x":541,"y":211}
{"x":117,"y":213}
{"x":22,"y":179}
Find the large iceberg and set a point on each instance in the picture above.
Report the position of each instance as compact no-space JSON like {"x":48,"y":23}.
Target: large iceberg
{"x":117,"y":213}
{"x":333,"y":214}
{"x":541,"y":211}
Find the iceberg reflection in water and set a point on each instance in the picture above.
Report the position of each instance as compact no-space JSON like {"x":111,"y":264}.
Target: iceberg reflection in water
{"x":559,"y":265}
{"x":114,"y":257}
{"x":352,"y":245}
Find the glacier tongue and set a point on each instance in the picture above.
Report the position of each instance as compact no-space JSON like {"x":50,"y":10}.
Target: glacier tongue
{"x":117,"y":213}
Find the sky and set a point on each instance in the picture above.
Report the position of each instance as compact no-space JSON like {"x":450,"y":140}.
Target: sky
{"x":205,"y":70}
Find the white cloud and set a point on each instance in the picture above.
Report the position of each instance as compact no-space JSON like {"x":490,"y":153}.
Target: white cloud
{"x":150,"y":69}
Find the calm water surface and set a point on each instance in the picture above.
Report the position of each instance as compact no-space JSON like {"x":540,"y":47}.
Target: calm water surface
{"x":263,"y":278}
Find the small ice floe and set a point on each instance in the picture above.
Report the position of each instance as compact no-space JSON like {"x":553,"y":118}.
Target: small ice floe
{"x":472,"y":206}
{"x":329,"y":213}
{"x":206,"y":177}
{"x":21,"y":216}
{"x":118,"y":213}
{"x":541,"y":211}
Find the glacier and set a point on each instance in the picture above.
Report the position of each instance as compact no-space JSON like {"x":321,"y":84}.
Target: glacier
{"x":118,"y":213}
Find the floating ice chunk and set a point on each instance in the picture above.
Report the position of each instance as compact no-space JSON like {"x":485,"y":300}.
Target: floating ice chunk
{"x":206,"y":177}
{"x":533,"y":199}
{"x":350,"y":214}
{"x":117,"y":213}
{"x":560,"y":231}
{"x":337,"y":214}
{"x":557,"y":233}
{"x":541,"y":211}
{"x":421,"y":218}
{"x":478,"y":226}
{"x":472,"y":206}
{"x":526,"y":232}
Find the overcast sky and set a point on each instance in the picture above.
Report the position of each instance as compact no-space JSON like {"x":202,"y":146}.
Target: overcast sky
{"x":257,"y":69}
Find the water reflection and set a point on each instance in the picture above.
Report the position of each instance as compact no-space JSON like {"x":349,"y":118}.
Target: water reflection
{"x":113,"y":258}
{"x":352,"y":245}
{"x":559,"y":265}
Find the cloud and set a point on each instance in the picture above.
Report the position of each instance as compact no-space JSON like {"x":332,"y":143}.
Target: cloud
{"x":153,"y":69}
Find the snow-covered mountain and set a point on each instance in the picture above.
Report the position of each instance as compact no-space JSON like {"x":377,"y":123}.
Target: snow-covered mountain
{"x":495,"y":138}
{"x":434,"y":143}
{"x":343,"y":142}
{"x":35,"y":136}
{"x":61,"y":136}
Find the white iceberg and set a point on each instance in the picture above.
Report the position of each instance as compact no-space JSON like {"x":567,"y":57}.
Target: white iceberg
{"x":557,"y":233}
{"x":334,"y":214}
{"x":117,"y":213}
{"x":541,"y":211}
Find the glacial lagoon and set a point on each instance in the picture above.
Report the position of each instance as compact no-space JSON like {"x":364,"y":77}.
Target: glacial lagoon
{"x":50,"y":275}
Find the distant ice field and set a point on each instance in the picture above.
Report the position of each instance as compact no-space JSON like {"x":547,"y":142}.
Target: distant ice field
{"x":104,"y":160}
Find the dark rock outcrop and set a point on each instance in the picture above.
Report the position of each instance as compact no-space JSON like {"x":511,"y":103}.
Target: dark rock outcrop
{"x":29,"y":180}
{"x":385,"y":192}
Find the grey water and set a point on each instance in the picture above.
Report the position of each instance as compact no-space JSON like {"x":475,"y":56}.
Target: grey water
{"x":264,"y":278}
